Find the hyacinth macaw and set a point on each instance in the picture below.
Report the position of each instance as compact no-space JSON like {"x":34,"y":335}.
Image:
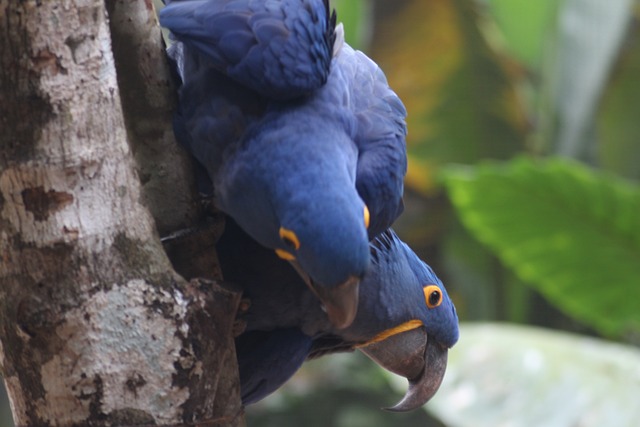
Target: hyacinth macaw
{"x":405,"y":321}
{"x":301,"y":135}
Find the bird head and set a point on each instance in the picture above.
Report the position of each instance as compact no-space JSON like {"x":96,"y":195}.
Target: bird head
{"x":405,"y":320}
{"x":410,"y":317}
{"x":329,"y":250}
{"x":298,"y":197}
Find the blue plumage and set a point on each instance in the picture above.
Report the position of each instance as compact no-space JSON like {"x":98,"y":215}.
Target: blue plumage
{"x":300,"y":134}
{"x":396,"y":294}
{"x":281,"y":49}
{"x":260,"y":360}
{"x":393,"y":305}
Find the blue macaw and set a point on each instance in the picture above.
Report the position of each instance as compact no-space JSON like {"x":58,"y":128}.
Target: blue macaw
{"x":301,"y":135}
{"x":406,"y":321}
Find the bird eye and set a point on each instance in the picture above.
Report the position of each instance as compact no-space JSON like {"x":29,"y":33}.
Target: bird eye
{"x":433,"y":296}
{"x":289,"y":238}
{"x":367,"y":216}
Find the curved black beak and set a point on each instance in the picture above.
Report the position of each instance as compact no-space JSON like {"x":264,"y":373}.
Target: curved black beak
{"x":411,"y":354}
{"x":339,"y":302}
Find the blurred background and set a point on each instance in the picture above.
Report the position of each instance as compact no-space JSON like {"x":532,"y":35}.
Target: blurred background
{"x":522,"y":194}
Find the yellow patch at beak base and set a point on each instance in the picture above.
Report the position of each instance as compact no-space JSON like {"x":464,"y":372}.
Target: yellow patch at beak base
{"x":406,"y":326}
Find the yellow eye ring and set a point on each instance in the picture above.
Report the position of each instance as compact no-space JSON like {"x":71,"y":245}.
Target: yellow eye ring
{"x":289,"y":238}
{"x":433,"y":296}
{"x":367,"y":216}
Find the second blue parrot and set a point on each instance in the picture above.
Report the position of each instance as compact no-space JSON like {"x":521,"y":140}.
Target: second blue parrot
{"x":405,"y":322}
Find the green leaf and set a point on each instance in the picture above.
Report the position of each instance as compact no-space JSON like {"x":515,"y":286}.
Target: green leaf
{"x":501,"y":375}
{"x":481,"y":288}
{"x":460,"y":94}
{"x":570,"y":232}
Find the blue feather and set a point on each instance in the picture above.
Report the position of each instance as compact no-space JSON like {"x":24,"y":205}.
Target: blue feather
{"x":247,"y":39}
{"x":260,"y":356}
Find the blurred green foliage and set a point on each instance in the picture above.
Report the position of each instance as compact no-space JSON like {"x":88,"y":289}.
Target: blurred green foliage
{"x":344,"y":390}
{"x":355,"y":17}
{"x":617,"y":125}
{"x":460,"y":93}
{"x":524,"y":27}
{"x":481,"y":80}
{"x":564,"y":229}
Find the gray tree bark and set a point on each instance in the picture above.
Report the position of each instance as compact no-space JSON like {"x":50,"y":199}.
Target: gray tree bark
{"x":96,"y":328}
{"x":148,"y":101}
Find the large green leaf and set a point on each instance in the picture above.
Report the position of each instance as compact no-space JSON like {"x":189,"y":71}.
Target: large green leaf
{"x":460,"y":95}
{"x":481,"y":288}
{"x":506,"y":375}
{"x":572,"y":233}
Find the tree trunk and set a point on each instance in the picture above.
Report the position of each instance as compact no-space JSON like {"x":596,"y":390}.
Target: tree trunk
{"x":95,"y":327}
{"x":148,"y":101}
